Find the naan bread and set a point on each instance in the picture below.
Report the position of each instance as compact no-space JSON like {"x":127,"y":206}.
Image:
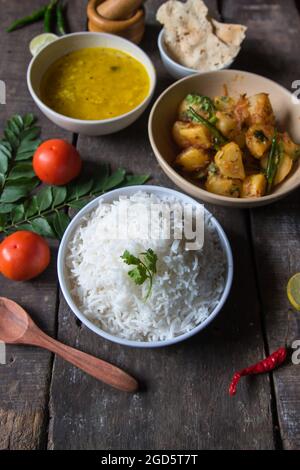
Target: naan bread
{"x":196,"y":41}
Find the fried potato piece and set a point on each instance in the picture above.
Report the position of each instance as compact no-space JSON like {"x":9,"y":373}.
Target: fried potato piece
{"x":260,"y":110}
{"x":224,"y":103}
{"x":263,"y":162}
{"x":223,"y":186}
{"x":259,"y":139}
{"x":226,"y":123}
{"x":192,"y":159}
{"x":187,"y":134}
{"x":229,"y":161}
{"x":284,"y":167}
{"x":289,"y":147}
{"x":254,"y":186}
{"x":241,"y":111}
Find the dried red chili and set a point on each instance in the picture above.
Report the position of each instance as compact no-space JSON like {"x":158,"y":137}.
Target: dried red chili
{"x":269,"y":363}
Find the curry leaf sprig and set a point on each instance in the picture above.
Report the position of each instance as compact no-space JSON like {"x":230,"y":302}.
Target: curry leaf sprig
{"x":46,"y":212}
{"x":20,"y":140}
{"x":145,"y":267}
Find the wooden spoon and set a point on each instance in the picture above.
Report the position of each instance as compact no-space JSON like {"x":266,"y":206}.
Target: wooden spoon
{"x":17,"y":327}
{"x":118,"y":9}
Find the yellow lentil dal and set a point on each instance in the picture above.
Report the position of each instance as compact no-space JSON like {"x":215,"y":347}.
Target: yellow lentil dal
{"x":95,"y":83}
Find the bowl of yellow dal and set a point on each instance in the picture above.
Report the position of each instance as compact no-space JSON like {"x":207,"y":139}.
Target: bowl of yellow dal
{"x":91,"y":83}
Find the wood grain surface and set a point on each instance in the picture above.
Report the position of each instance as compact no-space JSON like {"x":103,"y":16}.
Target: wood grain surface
{"x":272,"y":50}
{"x":25,"y":379}
{"x":184,"y":403}
{"x":177,"y":410}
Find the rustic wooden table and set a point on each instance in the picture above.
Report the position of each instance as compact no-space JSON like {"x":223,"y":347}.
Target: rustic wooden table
{"x":47,"y":403}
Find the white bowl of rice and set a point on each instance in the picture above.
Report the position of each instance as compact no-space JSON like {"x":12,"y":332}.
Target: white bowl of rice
{"x":189,"y":288}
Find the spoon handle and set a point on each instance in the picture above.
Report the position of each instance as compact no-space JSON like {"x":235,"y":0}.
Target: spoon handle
{"x":98,"y":368}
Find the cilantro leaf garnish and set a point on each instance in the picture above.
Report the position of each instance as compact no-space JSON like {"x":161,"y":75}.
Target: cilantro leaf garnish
{"x":259,"y":135}
{"x":204,"y":103}
{"x":145,"y":267}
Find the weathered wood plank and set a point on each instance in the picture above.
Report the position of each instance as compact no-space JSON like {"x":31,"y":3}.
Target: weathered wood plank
{"x":271,"y":49}
{"x":24,"y":381}
{"x":185,"y":403}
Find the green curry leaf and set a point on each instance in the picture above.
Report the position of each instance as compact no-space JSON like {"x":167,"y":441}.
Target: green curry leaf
{"x":45,"y":212}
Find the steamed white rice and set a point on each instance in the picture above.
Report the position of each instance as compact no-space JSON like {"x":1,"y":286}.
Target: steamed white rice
{"x":186,"y":288}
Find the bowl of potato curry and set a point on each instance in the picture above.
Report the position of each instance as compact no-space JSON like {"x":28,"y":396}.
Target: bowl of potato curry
{"x":228,"y":137}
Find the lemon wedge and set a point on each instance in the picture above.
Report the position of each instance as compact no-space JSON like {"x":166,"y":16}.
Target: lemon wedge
{"x":40,"y":41}
{"x":293,"y":291}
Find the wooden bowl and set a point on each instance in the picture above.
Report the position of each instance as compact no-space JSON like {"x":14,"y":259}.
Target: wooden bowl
{"x":132,"y":28}
{"x":164,"y":112}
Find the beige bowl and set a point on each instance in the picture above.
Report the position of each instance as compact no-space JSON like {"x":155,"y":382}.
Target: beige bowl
{"x":163,"y":115}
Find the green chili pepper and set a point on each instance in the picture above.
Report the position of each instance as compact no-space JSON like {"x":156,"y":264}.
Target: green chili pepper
{"x":60,"y":20}
{"x":219,"y":139}
{"x":273,"y":161}
{"x":48,"y":16}
{"x":35,"y":16}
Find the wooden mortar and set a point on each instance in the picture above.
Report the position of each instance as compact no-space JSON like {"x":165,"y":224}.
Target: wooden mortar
{"x":118,"y":9}
{"x":131,"y":28}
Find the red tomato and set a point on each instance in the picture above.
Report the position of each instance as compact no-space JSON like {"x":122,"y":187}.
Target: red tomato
{"x":56,"y":162}
{"x":23,"y":255}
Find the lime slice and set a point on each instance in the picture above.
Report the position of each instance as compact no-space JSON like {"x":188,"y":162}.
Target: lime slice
{"x":293,"y":291}
{"x":40,"y":41}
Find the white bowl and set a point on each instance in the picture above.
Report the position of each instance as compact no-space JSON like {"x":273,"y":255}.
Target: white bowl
{"x":109,"y":198}
{"x":175,"y":69}
{"x":71,"y":42}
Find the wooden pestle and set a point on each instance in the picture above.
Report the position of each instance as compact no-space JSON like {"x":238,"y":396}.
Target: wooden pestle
{"x":118,"y":9}
{"x":131,"y":28}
